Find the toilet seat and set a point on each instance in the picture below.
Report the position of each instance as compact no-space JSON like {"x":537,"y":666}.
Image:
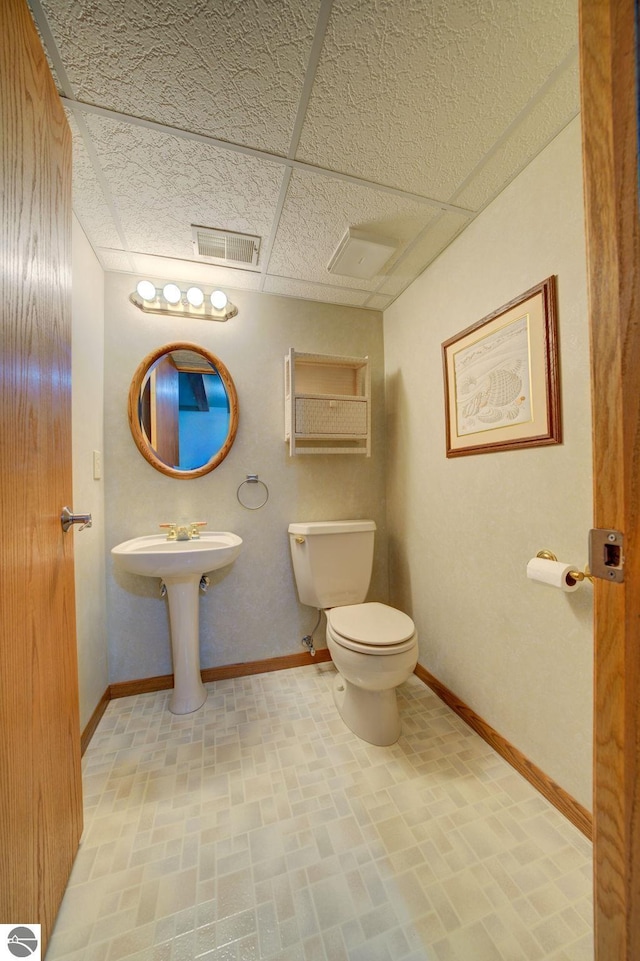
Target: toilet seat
{"x":372,"y":628}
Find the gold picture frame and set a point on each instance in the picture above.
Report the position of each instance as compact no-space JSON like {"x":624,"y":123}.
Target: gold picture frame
{"x":502,"y":378}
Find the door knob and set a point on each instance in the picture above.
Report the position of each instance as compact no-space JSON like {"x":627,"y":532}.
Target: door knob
{"x":67,"y":519}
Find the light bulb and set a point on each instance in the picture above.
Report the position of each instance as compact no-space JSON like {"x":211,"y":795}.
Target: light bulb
{"x":146,"y":290}
{"x":172,"y":293}
{"x":219,"y":300}
{"x":195,"y":296}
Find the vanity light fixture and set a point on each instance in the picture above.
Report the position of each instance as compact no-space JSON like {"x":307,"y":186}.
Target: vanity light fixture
{"x":219,"y":299}
{"x":172,"y":294}
{"x":146,"y":290}
{"x":173,"y":301}
{"x":195,"y":296}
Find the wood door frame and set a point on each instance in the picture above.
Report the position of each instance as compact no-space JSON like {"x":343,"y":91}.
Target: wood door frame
{"x":608,"y":56}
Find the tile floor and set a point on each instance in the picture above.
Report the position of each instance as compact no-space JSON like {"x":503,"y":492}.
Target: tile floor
{"x":261,"y":827}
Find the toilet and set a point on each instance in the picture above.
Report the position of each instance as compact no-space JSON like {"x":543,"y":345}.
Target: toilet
{"x":374,"y":647}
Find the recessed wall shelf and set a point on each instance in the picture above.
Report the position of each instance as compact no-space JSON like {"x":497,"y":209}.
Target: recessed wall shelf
{"x":327,"y":407}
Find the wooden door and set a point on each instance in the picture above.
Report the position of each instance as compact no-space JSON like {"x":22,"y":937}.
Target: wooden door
{"x":165,"y":431}
{"x":610,"y":148}
{"x":40,"y":786}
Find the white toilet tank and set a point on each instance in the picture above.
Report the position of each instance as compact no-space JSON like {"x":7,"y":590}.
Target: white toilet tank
{"x":332,"y":561}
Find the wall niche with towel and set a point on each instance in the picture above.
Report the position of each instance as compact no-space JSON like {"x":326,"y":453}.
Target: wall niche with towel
{"x":183,"y":410}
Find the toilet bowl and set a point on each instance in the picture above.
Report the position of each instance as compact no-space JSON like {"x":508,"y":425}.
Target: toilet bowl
{"x":374,"y":648}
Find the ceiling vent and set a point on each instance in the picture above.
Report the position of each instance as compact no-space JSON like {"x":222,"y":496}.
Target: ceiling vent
{"x":360,"y":254}
{"x":225,"y":246}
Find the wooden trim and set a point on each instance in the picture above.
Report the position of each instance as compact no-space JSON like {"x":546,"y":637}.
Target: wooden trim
{"x":142,"y":685}
{"x":609,"y":74}
{"x":540,"y":305}
{"x":136,"y":425}
{"x":264,"y":667}
{"x":567,"y":805}
{"x":94,"y":720}
{"x":164,"y":682}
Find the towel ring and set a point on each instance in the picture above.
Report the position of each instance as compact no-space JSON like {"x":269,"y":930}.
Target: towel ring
{"x":253,"y":493}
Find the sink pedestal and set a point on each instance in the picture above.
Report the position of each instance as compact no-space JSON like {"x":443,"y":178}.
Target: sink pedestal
{"x":189,"y":693}
{"x":180,"y":564}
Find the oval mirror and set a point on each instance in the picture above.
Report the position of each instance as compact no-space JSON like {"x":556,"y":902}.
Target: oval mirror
{"x":183,"y":410}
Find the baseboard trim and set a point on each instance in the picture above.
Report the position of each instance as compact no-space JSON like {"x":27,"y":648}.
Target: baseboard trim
{"x":556,"y":795}
{"x":94,"y":720}
{"x":163,"y":682}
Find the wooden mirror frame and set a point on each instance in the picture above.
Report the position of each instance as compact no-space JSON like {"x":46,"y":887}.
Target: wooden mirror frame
{"x":137,"y":431}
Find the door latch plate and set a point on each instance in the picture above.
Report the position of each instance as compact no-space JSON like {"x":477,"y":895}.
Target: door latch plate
{"x":606,"y":555}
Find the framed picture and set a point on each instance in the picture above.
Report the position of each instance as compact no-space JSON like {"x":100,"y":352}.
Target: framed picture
{"x":501,"y":378}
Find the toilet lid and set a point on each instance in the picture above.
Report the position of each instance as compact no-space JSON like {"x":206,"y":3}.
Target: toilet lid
{"x":377,"y":625}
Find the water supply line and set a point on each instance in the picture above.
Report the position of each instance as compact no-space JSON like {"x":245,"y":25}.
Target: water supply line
{"x":203,"y":585}
{"x":307,"y":640}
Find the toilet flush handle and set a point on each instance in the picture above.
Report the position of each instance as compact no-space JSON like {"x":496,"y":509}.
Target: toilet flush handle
{"x":299,"y":540}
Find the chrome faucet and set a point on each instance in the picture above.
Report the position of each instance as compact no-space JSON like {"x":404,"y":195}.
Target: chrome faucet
{"x":184,"y":532}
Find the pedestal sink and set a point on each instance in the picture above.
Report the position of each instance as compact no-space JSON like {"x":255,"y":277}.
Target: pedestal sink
{"x":180,"y":564}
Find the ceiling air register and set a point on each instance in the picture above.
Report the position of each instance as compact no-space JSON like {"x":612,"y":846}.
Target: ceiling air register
{"x":225,"y":246}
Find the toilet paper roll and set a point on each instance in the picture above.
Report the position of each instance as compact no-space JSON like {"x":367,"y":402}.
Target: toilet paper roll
{"x":553,"y":573}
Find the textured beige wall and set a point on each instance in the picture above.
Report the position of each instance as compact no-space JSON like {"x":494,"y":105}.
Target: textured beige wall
{"x":462,"y":530}
{"x":87,"y":310}
{"x":251,"y":610}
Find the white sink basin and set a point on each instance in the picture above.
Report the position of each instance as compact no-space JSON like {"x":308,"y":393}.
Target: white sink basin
{"x":154,"y":556}
{"x":180,"y":564}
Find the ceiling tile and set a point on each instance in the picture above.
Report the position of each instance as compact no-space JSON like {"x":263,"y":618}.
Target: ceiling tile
{"x":379,"y":301}
{"x":187,"y":271}
{"x":316,"y":214}
{"x":432,"y":242}
{"x":542,"y":122}
{"x":414,"y":95}
{"x":309,"y":291}
{"x":116,"y":260}
{"x":295,"y":119}
{"x":208,"y":68}
{"x":162,"y":184}
{"x":89,"y":203}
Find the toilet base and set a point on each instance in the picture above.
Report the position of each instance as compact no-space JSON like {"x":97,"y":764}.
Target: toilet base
{"x":371,"y":715}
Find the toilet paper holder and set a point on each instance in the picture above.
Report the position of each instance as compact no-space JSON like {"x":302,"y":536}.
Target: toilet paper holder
{"x":576,"y":575}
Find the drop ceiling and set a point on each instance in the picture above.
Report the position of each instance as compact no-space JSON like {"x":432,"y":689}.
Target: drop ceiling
{"x":293,"y":120}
